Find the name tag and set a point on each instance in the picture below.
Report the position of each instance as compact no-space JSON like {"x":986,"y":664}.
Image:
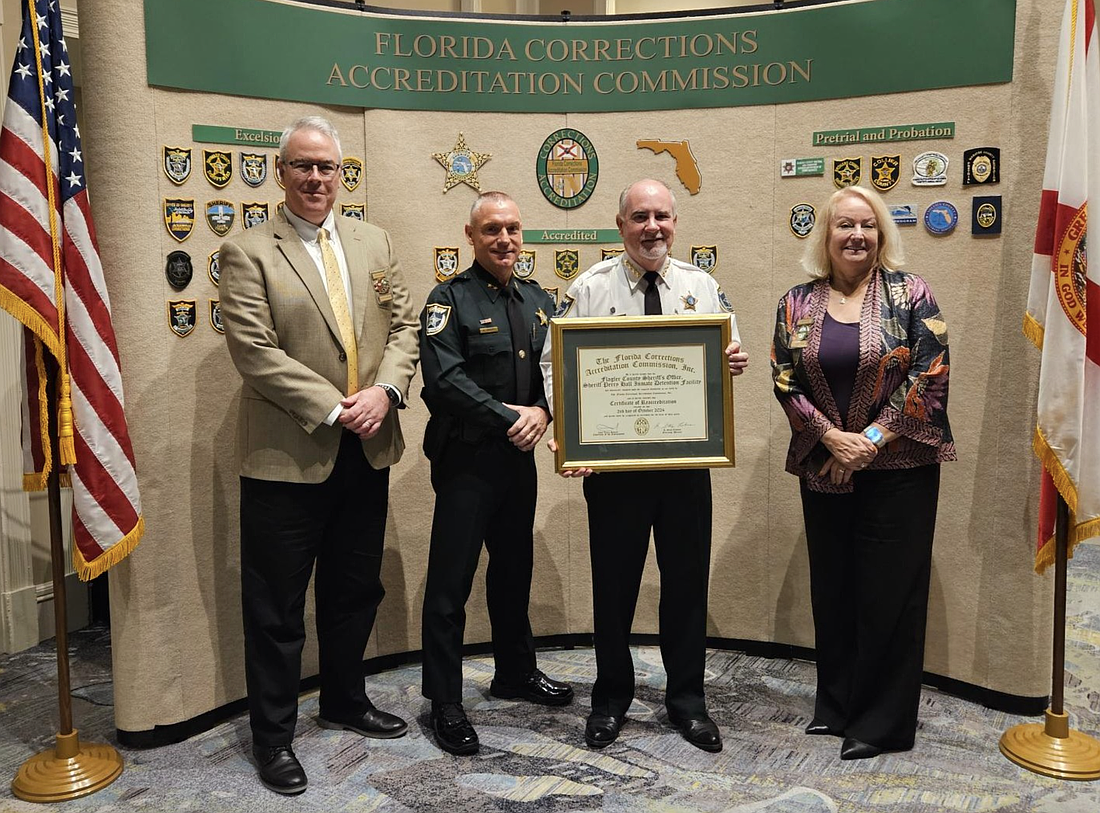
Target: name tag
{"x":493,"y":329}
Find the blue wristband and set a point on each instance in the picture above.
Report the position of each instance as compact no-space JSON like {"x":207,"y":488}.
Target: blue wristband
{"x":874,"y":434}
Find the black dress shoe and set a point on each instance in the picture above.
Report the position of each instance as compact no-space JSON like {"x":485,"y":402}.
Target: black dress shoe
{"x":280,"y":770}
{"x":818,"y":727}
{"x":453,"y":731}
{"x":702,"y":732}
{"x":535,"y":688}
{"x":602,"y":729}
{"x":371,"y":723}
{"x":857,"y":749}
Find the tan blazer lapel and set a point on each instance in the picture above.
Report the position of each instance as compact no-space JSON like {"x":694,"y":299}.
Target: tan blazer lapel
{"x":296,"y":255}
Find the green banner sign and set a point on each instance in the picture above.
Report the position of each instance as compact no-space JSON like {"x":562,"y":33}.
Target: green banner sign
{"x":873,"y":135}
{"x":214,"y":134}
{"x":295,"y":50}
{"x":572,"y":236}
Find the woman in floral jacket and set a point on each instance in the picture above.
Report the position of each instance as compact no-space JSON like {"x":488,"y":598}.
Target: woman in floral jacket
{"x":860,"y":365}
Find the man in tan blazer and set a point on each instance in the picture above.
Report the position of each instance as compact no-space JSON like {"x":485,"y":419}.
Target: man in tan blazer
{"x":319,"y":324}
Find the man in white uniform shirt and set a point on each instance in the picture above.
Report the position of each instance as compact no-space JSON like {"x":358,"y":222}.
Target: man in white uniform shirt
{"x":624,"y":507}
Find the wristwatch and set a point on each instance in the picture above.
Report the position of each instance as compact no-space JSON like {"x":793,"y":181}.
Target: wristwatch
{"x":874,"y":434}
{"x":391,"y":393}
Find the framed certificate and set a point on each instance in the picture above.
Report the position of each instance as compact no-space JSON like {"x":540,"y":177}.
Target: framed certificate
{"x":642,"y":392}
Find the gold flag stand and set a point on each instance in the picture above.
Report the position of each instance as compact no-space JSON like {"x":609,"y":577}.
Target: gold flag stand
{"x":70,"y":769}
{"x":1052,"y":749}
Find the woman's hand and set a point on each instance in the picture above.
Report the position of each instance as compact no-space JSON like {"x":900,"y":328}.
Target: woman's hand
{"x":851,"y":449}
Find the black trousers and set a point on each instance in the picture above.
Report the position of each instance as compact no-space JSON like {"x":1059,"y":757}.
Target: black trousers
{"x":285,"y":527}
{"x":623,"y":507}
{"x":484,"y":492}
{"x":870,"y":563}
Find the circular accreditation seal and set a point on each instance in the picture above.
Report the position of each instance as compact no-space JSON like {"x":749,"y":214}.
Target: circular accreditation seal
{"x":1069,"y":270}
{"x":567,"y":168}
{"x":941,"y":217}
{"x":987,"y":215}
{"x":641,"y":427}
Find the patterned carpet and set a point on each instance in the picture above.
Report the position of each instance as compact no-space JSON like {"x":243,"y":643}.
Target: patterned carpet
{"x":534,"y":759}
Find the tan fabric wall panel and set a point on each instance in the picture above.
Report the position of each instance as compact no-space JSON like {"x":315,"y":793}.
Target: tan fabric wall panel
{"x":175,"y":601}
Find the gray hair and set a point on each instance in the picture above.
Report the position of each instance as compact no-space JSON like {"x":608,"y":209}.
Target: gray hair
{"x":486,"y":197}
{"x":623,"y":195}
{"x":889,"y":253}
{"x":317,"y":123}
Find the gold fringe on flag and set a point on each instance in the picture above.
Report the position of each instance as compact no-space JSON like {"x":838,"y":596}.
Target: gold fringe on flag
{"x":1033,"y":330}
{"x":1077,"y":533}
{"x":86,"y":571}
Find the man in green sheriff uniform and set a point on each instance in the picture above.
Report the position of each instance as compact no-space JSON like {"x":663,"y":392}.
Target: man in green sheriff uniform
{"x":481,"y":335}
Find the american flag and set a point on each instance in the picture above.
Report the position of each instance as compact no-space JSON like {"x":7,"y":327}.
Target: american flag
{"x":1063,"y":309}
{"x":51,"y":280}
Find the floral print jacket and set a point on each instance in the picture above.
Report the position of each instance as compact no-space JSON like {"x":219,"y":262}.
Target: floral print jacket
{"x":901,"y":379}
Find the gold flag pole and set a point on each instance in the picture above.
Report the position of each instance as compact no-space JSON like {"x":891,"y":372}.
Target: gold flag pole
{"x":1052,"y":749}
{"x":70,"y":769}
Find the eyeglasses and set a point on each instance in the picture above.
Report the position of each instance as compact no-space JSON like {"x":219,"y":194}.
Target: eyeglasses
{"x":326,"y":169}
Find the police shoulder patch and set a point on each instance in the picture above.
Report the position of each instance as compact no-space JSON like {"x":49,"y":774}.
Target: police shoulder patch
{"x":178,"y":269}
{"x":564,"y":306}
{"x":437,"y":318}
{"x":254,"y":214}
{"x":253,"y":168}
{"x":177,"y":164}
{"x":218,"y":167}
{"x":216,"y":315}
{"x":724,"y":301}
{"x":351,"y":171}
{"x":212,"y":268}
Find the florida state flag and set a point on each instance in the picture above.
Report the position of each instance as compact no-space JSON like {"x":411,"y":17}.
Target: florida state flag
{"x":1064,"y":299}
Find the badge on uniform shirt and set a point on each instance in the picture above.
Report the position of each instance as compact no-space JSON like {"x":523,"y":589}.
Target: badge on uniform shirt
{"x":847,"y":171}
{"x":179,"y":217}
{"x":724,"y":301}
{"x":800,"y":337}
{"x":356,"y":211}
{"x":351,"y":171}
{"x":930,"y":169}
{"x":437,"y":317}
{"x":253,"y":168}
{"x":541,"y":314}
{"x":986,"y":215}
{"x":446,"y":262}
{"x":689,"y":301}
{"x":803,"y":217}
{"x":254,"y":214}
{"x":218,"y":167}
{"x":941,"y":217}
{"x":181,"y":316}
{"x":220,"y":215}
{"x":610,"y":253}
{"x":216,"y":316}
{"x":705,"y":257}
{"x":982,"y":165}
{"x":885,"y":171}
{"x":178,"y":269}
{"x":177,"y":164}
{"x":564,"y":306}
{"x":567,"y":262}
{"x":212,"y":268}
{"x":382,"y":288}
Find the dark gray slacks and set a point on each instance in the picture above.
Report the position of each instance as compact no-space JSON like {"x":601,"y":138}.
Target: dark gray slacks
{"x":286,"y":528}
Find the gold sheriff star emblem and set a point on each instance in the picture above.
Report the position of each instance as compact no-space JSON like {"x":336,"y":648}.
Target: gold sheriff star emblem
{"x":461,"y":164}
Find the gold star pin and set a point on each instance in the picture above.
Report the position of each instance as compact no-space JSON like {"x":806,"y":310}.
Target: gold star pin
{"x":461,"y":164}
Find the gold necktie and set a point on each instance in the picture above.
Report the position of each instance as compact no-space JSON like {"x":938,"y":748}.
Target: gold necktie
{"x":339,"y":299}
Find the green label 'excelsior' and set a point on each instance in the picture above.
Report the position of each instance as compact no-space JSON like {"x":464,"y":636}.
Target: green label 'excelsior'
{"x":343,"y":56}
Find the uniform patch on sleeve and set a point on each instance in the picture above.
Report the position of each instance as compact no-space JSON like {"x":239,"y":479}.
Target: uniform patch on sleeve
{"x":438,"y":316}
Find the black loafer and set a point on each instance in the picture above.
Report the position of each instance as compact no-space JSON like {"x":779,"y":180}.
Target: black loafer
{"x":602,"y":729}
{"x":857,"y":749}
{"x":453,"y":732}
{"x":371,"y":723}
{"x":280,"y":770}
{"x":702,"y":732}
{"x":818,"y":727}
{"x":535,"y":688}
